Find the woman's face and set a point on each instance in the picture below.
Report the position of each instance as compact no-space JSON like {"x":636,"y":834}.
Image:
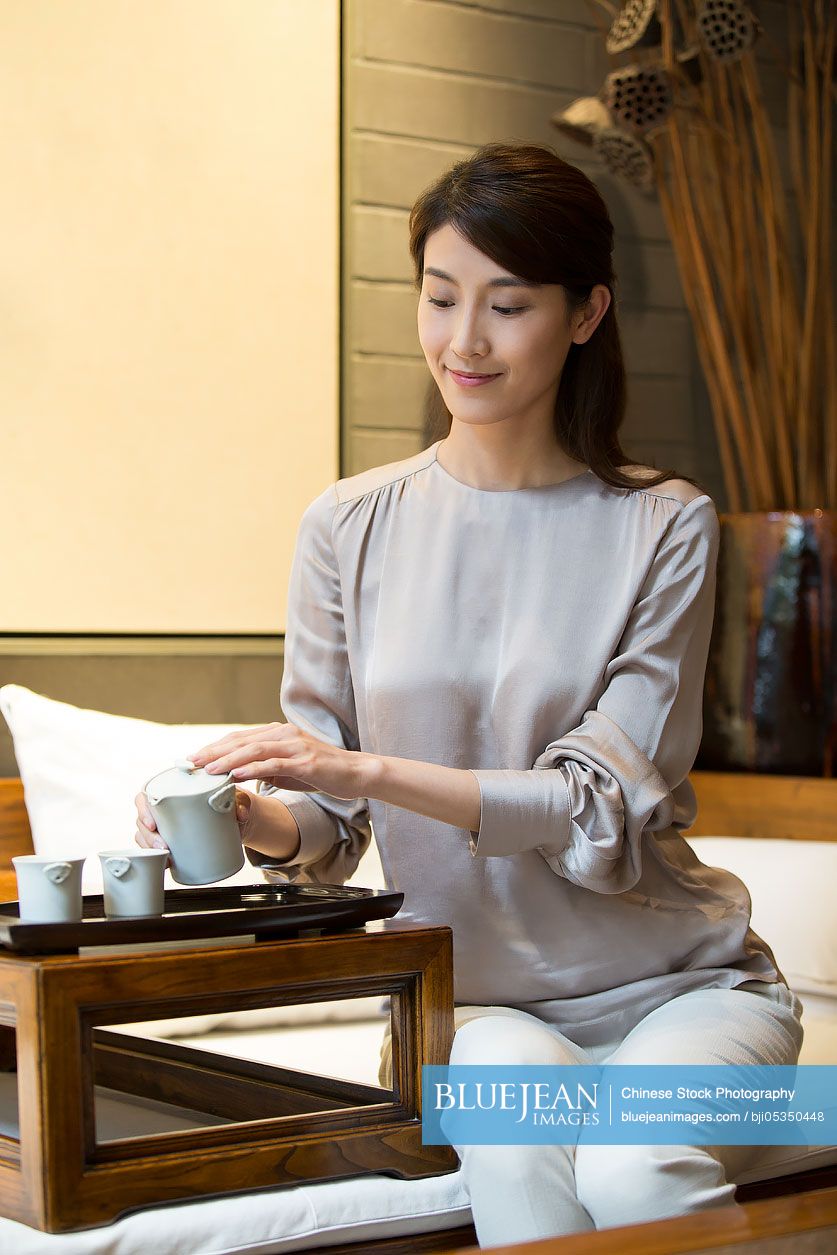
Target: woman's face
{"x":495,"y":344}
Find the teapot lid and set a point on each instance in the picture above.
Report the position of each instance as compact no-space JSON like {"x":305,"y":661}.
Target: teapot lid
{"x":184,"y":780}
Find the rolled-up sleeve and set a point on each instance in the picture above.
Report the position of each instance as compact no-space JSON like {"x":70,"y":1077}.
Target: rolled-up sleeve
{"x":591,"y":794}
{"x":317,"y":695}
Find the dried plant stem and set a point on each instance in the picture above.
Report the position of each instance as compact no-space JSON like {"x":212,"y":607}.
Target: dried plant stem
{"x":767,"y":252}
{"x":794,"y":122}
{"x":812,"y":232}
{"x":756,"y":478}
{"x":827,"y":287}
{"x":724,"y":286}
{"x":750,"y":290}
{"x":685,"y":256}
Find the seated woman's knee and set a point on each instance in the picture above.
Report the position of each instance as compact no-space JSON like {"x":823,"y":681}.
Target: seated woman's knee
{"x":620,"y":1185}
{"x":499,"y":1039}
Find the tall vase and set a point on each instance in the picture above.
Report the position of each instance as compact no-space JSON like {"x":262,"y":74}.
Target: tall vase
{"x":769,"y":698}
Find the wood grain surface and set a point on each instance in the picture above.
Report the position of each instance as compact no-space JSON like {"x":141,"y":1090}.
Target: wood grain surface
{"x":748,"y":1228}
{"x":800,"y":808}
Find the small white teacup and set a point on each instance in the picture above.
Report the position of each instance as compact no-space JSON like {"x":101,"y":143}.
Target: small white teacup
{"x":133,"y":881}
{"x":48,"y":888}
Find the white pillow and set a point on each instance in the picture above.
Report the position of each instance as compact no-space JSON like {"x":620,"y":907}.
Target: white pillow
{"x":791,"y":884}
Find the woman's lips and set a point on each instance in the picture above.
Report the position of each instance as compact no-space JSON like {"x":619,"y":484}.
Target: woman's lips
{"x":471,"y":381}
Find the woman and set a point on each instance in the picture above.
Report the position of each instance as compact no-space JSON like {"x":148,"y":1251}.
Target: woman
{"x":495,"y":654}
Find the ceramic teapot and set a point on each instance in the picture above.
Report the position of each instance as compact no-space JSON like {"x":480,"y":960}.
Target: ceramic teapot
{"x":195,"y":816}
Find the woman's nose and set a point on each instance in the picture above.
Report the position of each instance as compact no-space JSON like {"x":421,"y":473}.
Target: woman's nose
{"x":468,"y":339}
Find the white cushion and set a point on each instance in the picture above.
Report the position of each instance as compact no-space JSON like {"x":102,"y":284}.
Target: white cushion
{"x":298,"y":1218}
{"x":791,"y":885}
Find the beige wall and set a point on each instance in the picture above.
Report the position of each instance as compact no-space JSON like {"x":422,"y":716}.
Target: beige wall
{"x":169,"y":321}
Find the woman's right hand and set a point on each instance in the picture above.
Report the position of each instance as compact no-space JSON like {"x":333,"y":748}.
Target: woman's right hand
{"x":148,"y":836}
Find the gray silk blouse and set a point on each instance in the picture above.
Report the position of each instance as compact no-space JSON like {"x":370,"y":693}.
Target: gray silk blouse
{"x":552,"y":640}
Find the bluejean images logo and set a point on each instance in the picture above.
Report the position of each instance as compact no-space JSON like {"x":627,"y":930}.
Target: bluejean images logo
{"x":618,"y":1104}
{"x":537,"y":1101}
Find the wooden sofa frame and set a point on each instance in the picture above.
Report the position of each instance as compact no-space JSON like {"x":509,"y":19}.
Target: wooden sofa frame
{"x":728,"y":805}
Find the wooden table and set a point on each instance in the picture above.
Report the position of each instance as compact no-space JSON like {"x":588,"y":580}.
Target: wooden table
{"x":801,"y":1224}
{"x":271,"y":1125}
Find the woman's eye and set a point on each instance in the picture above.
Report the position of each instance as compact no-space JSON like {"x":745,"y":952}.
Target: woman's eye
{"x":506,"y":310}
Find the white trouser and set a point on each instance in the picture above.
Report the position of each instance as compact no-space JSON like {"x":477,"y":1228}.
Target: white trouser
{"x":521,"y":1193}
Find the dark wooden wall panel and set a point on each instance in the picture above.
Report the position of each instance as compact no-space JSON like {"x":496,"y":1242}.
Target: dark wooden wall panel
{"x":207,"y":680}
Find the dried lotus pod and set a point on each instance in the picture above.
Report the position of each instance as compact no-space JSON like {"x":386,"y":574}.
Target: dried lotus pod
{"x":626,"y":155}
{"x":637,"y":25}
{"x":583,"y":119}
{"x":727,"y":29}
{"x":638,"y":96}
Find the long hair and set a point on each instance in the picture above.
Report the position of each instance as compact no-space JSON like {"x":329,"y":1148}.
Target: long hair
{"x":542,"y":219}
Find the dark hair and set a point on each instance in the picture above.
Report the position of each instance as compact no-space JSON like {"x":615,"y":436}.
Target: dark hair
{"x":542,"y":219}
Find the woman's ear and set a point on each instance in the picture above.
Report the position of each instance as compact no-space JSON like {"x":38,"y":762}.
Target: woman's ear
{"x":594,"y":311}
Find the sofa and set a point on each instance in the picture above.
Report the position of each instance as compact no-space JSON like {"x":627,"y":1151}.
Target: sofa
{"x":79,"y":772}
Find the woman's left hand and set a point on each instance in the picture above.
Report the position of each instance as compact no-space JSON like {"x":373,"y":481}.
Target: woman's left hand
{"x":287,"y":758}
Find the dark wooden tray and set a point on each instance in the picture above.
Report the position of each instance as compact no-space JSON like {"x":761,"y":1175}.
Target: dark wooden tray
{"x":260,"y":910}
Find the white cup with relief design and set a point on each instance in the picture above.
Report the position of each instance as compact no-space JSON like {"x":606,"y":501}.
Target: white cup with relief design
{"x":132,"y":881}
{"x":195,"y":815}
{"x":48,"y":888}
